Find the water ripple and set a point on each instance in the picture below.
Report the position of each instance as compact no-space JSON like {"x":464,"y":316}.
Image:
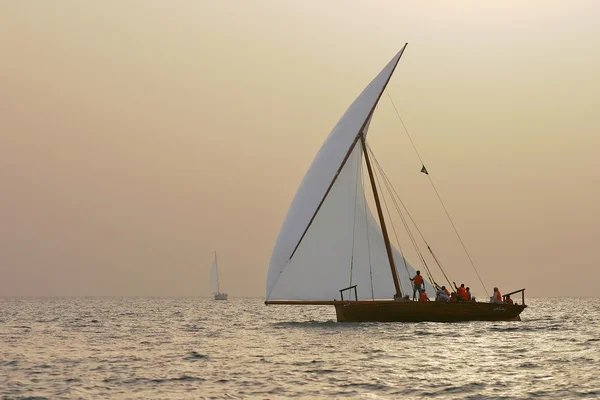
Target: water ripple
{"x":192,"y":348}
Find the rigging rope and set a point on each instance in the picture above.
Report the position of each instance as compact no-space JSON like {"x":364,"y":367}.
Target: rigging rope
{"x":389,"y":182}
{"x":389,"y":185}
{"x":440,"y":265}
{"x":406,"y":226}
{"x":437,"y":193}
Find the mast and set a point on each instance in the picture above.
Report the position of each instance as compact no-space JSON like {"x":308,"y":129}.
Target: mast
{"x":217,"y":269}
{"x":386,"y":239}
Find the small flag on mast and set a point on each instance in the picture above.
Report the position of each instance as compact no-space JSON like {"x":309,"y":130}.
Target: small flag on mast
{"x":424,"y":170}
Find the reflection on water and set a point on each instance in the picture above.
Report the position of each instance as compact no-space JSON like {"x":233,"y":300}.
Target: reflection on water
{"x":195,"y":348}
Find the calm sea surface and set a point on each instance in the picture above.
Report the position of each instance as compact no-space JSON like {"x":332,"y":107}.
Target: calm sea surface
{"x":176,"y":348}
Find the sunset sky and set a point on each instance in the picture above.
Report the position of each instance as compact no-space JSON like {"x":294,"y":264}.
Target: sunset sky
{"x":138,"y":137}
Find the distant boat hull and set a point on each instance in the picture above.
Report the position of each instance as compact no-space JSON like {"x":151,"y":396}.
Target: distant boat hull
{"x":411,"y":311}
{"x":414,"y":311}
{"x":221,"y":296}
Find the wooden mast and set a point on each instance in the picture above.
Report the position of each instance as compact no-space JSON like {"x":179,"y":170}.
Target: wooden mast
{"x":388,"y":246}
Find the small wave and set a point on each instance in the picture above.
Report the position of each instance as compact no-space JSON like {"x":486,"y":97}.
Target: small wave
{"x":558,"y":328}
{"x":520,"y":350}
{"x":404,"y":392}
{"x":374,"y":351}
{"x":312,"y":324}
{"x":185,"y":378}
{"x":505,"y":329}
{"x":182,"y":378}
{"x":425,"y":333}
{"x":522,"y":327}
{"x":528,"y":365}
{"x":453,"y":389}
{"x":369,"y":386}
{"x":194,"y":355}
{"x":127,"y":314}
{"x":321,"y":371}
{"x":583,"y":360}
{"x":45,"y":321}
{"x":301,"y":363}
{"x":193,"y":328}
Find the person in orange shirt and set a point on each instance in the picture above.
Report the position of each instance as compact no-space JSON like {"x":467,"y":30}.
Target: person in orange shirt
{"x":496,"y":297}
{"x":417,"y":281}
{"x":423,"y":296}
{"x":453,"y":298}
{"x":462,"y":292}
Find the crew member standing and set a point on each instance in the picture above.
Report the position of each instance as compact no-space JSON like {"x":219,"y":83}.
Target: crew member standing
{"x":417,"y":281}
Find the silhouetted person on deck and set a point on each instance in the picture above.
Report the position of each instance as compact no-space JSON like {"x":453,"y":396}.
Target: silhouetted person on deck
{"x":443,"y":294}
{"x":453,"y":298}
{"x":461,"y":292}
{"x":496,"y":297}
{"x":417,"y":281}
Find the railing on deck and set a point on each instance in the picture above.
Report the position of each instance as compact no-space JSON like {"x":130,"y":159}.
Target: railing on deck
{"x":516,"y":291}
{"x":349,"y":288}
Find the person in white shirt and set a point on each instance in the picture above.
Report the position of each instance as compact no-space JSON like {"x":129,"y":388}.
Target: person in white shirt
{"x":496,"y":297}
{"x":442,"y":294}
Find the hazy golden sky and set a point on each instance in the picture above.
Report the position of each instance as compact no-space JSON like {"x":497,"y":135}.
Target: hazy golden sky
{"x":138,"y":136}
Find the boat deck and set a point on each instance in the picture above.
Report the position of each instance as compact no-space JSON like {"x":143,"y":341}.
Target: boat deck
{"x":414,"y":311}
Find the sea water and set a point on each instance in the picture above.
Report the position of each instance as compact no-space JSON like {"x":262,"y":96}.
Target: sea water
{"x":190,"y":348}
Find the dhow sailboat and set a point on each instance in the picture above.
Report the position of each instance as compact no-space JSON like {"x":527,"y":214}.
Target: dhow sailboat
{"x":331,"y":250}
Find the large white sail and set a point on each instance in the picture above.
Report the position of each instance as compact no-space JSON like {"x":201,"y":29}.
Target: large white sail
{"x":344,"y":246}
{"x":320,"y":265}
{"x":214,"y":277}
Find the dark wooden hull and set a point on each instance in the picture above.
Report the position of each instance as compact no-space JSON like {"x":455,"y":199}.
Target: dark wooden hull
{"x":411,"y":311}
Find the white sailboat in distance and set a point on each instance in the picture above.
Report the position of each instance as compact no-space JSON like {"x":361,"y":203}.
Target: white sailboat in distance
{"x":214,"y":281}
